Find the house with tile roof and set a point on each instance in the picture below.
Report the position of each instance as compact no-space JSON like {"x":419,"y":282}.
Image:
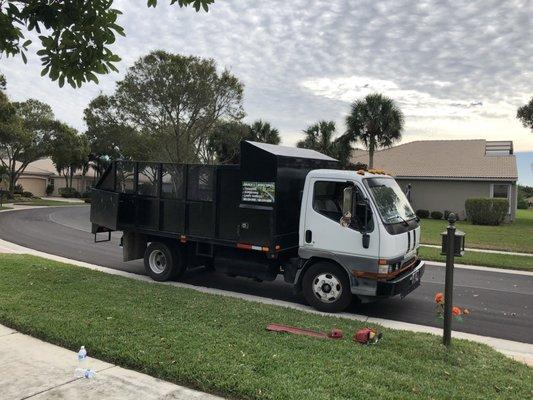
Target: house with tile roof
{"x":442,"y":174}
{"x":41,"y":173}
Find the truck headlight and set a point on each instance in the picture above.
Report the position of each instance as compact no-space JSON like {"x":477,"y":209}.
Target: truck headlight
{"x":383,"y":269}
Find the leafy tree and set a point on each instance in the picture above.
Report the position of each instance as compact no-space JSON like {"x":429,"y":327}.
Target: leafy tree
{"x":320,"y":137}
{"x":376,"y":121}
{"x":25,"y":129}
{"x":74,"y":35}
{"x":525,"y":114}
{"x":69,"y":151}
{"x":262,"y":132}
{"x":168,"y":105}
{"x":109,"y":138}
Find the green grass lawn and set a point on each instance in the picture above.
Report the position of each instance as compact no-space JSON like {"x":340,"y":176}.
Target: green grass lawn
{"x":46,"y":202}
{"x":517,"y":236}
{"x":220,"y":345}
{"x":5,"y":208}
{"x":484,"y":259}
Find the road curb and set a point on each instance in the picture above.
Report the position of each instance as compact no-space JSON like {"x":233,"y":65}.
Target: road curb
{"x":519,"y":351}
{"x":508,"y":253}
{"x":483,"y":268}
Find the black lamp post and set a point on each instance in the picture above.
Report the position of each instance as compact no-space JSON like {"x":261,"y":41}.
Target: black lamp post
{"x":453,"y":244}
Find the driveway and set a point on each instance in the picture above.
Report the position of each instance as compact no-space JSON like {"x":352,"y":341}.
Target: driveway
{"x":500,"y":303}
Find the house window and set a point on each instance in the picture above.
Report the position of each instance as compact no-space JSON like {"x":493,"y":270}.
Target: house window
{"x":502,"y":191}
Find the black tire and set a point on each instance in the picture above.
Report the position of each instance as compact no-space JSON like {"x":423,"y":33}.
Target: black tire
{"x":333,"y":277}
{"x":162,"y":262}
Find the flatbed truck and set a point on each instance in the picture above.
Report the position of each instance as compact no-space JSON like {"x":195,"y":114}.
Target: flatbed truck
{"x":333,"y":234}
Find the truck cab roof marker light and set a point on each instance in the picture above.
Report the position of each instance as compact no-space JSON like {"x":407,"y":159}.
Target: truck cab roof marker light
{"x":183,"y":239}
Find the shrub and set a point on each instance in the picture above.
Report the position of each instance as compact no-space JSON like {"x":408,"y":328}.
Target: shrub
{"x":486,"y":211}
{"x":69,"y":192}
{"x":422,"y":214}
{"x":18,"y":189}
{"x":436,"y":215}
{"x":521,"y":204}
{"x":27,"y":194}
{"x":49,"y":190}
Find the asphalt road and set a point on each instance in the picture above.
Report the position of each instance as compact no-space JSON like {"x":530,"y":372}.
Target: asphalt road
{"x":501,"y":304}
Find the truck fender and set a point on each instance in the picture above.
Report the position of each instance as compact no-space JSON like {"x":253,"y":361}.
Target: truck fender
{"x":307,"y":264}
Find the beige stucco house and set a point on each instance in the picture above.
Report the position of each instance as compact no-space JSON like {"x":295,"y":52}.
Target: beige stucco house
{"x":41,"y":173}
{"x":444,"y":173}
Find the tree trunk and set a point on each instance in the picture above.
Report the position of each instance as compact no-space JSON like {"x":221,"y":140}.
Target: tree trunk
{"x":71,"y":175}
{"x":12,"y":178}
{"x":371,"y":148}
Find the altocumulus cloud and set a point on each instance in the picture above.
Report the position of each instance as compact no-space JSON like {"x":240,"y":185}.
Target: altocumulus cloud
{"x":458,"y":69}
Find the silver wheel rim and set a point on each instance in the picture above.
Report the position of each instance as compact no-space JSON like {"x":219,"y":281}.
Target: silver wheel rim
{"x":157,"y":261}
{"x":327,"y":288}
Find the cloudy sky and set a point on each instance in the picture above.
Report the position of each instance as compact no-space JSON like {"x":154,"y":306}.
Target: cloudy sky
{"x":458,"y":69}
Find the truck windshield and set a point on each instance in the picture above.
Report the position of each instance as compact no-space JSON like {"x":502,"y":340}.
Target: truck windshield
{"x":391,"y":202}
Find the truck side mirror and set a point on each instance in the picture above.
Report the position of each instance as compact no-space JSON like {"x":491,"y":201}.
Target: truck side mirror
{"x":347,"y":200}
{"x":366,"y":237}
{"x":366,"y":240}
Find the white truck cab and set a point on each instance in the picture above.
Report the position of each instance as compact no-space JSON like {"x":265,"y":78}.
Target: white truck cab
{"x":357,"y":224}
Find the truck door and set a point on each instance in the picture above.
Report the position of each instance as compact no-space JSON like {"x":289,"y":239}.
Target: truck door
{"x":323,"y":233}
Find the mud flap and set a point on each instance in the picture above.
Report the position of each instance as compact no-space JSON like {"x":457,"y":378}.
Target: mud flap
{"x":133,"y":246}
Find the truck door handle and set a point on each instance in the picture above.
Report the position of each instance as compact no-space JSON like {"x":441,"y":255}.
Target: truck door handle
{"x":308,"y":236}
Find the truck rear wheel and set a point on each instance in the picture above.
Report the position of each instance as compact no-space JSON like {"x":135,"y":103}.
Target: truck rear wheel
{"x":162,"y":262}
{"x":326,"y":287}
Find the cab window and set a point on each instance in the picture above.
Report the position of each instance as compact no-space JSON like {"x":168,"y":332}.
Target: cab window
{"x":327,"y":201}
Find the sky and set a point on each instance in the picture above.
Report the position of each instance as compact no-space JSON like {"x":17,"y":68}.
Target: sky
{"x":458,"y":69}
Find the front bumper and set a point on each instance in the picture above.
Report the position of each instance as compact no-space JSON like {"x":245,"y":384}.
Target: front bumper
{"x":404,"y":284}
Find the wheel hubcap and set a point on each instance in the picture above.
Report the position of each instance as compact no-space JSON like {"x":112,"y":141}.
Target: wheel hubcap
{"x":157,"y":261}
{"x":327,"y":288}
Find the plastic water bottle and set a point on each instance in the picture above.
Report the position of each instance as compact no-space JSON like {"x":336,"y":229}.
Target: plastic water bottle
{"x":82,"y":369}
{"x":82,"y":358}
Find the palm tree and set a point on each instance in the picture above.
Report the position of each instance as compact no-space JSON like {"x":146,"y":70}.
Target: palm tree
{"x":376,"y":121}
{"x":262,"y":132}
{"x":320,"y":136}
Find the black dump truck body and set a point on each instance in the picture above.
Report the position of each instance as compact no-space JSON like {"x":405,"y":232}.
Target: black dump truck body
{"x":221,"y":211}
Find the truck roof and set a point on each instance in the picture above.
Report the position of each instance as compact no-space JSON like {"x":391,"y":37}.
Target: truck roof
{"x":345,"y":174}
{"x":286,"y":151}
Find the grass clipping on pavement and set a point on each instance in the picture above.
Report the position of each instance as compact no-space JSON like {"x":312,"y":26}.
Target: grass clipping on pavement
{"x":220,"y":345}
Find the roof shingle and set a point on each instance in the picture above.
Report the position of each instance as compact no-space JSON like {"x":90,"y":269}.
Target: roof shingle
{"x":443,"y":159}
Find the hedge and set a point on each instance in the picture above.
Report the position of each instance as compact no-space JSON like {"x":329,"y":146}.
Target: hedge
{"x":522,"y":204}
{"x":68,"y":192}
{"x":486,"y":211}
{"x":422,"y":214}
{"x":436,"y":215}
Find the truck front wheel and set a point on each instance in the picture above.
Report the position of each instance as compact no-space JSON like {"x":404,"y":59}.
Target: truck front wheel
{"x":326,"y":287}
{"x":162,"y":262}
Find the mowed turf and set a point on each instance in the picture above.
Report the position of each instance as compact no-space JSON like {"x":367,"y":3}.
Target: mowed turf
{"x":516,"y":236}
{"x":220,"y":345}
{"x":524,"y":263}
